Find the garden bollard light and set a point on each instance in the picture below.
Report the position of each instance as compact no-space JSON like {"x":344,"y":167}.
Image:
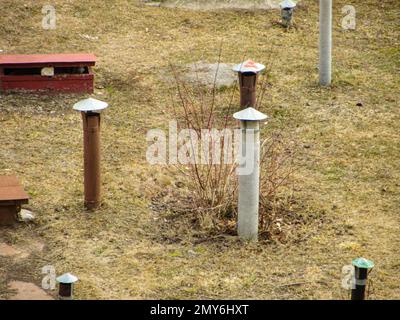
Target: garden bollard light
{"x":287,"y":8}
{"x":361,"y":266}
{"x":66,"y":286}
{"x":248,"y":74}
{"x":325,"y":42}
{"x":90,"y":110}
{"x":249,"y":173}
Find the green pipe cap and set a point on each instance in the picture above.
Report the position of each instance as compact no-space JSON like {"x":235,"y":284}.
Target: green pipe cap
{"x":363,"y":263}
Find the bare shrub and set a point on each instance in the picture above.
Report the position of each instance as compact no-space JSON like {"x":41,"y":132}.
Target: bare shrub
{"x":213,"y":187}
{"x":195,"y":107}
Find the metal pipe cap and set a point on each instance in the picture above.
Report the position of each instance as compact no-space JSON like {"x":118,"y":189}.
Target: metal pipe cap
{"x":249,"y":66}
{"x":67,"y":278}
{"x":287,"y":4}
{"x":250,"y":114}
{"x":363,"y":263}
{"x":90,"y":105}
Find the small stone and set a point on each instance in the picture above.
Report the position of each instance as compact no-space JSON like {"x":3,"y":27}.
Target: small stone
{"x":26,"y":216}
{"x":47,"y":72}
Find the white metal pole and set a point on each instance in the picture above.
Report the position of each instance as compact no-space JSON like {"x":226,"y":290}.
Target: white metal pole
{"x":249,"y":182}
{"x":325,"y":42}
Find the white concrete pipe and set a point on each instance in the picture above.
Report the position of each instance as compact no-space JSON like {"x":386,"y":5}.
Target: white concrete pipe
{"x":325,"y":42}
{"x":249,"y":173}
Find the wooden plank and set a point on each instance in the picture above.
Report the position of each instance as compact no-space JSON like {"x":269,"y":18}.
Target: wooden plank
{"x":45,"y":59}
{"x":58,"y":77}
{"x":11,"y":190}
{"x":65,"y":85}
{"x":8,"y":181}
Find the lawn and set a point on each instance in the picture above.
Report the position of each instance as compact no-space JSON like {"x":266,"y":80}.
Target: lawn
{"x":345,"y":186}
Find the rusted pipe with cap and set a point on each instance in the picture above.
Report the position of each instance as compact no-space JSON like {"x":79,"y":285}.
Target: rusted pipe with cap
{"x":287,"y":8}
{"x":361,"y":269}
{"x":90,"y":110}
{"x":248,"y":75}
{"x":66,"y":286}
{"x":91,"y":151}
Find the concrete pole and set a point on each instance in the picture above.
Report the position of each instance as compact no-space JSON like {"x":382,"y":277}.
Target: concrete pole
{"x":249,"y":173}
{"x":249,"y":184}
{"x":90,"y":110}
{"x":325,"y":42}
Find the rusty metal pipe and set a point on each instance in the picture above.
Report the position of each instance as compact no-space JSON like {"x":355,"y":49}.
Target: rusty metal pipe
{"x":91,"y":151}
{"x":248,"y":75}
{"x":65,"y":291}
{"x":361,"y":269}
{"x":90,"y":109}
{"x":358,"y":293}
{"x":248,"y":83}
{"x":66,"y":286}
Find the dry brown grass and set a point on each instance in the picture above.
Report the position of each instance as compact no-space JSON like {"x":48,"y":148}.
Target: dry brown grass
{"x":346,"y":185}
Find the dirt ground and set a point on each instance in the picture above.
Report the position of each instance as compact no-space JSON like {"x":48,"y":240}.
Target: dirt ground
{"x":346,"y":184}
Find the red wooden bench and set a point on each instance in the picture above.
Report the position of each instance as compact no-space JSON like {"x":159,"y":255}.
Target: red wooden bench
{"x":69,"y":73}
{"x":12,"y":196}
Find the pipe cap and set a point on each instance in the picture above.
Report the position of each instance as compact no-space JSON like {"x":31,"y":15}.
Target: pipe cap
{"x":289,"y":4}
{"x":90,"y":105}
{"x":249,"y":66}
{"x":363,"y":263}
{"x":250,"y":114}
{"x":67,"y":278}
